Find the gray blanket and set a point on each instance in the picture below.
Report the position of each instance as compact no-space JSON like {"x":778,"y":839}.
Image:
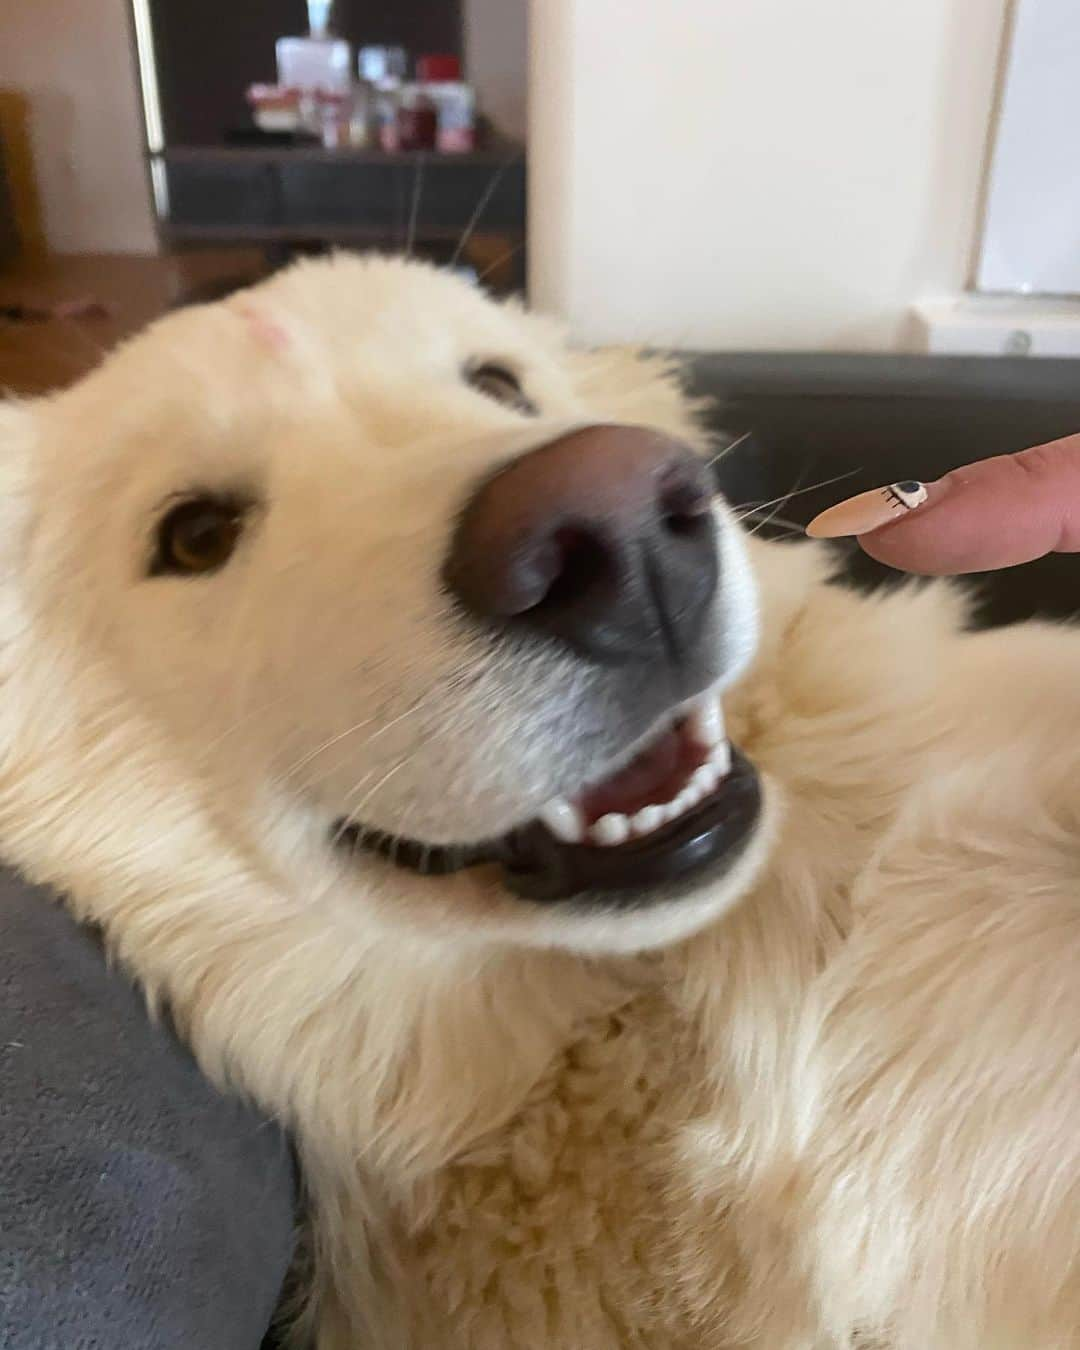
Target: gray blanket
{"x":139,"y":1209}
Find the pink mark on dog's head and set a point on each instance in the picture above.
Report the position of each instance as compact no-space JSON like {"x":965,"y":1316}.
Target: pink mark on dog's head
{"x":267,"y":331}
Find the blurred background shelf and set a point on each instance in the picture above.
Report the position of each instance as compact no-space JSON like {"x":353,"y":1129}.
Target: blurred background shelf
{"x":282,"y":196}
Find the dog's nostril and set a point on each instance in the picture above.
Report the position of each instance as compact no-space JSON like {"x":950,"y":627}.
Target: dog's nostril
{"x":583,"y":564}
{"x":682,"y":523}
{"x":684,"y":508}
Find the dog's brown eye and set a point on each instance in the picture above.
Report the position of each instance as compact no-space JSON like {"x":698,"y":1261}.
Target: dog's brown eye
{"x":197,"y":536}
{"x":502,"y":385}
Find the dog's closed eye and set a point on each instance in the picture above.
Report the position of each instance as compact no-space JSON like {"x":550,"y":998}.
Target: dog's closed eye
{"x":502,"y":384}
{"x":198,"y":535}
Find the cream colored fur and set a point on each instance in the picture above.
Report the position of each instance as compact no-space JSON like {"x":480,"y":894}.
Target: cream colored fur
{"x":842,"y":1111}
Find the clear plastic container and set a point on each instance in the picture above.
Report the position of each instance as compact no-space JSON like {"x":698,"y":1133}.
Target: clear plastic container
{"x":310,"y":63}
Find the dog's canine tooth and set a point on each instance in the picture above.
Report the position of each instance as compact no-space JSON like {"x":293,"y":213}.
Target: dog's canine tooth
{"x":720,"y":758}
{"x":564,"y":820}
{"x":611,"y":829}
{"x":706,"y":721}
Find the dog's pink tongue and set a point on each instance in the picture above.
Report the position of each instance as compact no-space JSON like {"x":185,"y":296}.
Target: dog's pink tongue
{"x":656,"y":775}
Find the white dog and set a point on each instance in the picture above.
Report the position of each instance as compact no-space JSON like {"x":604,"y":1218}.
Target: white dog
{"x":362,"y":650}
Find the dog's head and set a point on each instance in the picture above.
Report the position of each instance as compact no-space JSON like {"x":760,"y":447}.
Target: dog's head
{"x":435,"y":609}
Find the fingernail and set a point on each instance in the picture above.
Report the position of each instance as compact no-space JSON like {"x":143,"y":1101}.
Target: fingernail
{"x":868,"y":511}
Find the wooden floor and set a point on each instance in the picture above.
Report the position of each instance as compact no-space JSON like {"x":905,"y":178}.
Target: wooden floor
{"x":38,"y":356}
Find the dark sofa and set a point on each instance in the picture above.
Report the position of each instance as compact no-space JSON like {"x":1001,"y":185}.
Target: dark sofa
{"x":140,"y":1209}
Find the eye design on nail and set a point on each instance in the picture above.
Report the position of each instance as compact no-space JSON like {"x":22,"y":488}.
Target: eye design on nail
{"x":905,"y":496}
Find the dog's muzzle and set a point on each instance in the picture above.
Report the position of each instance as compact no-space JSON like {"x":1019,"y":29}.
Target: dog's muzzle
{"x":604,"y":542}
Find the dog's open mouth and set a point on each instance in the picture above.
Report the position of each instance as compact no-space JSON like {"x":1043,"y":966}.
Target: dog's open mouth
{"x":686,"y":800}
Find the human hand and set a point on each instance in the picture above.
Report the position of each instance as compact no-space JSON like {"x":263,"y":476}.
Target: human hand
{"x":994,"y":513}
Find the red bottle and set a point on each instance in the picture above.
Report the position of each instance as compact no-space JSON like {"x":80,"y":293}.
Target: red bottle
{"x":437,"y":69}
{"x":417,"y":120}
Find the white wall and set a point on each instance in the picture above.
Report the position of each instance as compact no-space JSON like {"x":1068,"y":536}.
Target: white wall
{"x":756,"y":173}
{"x":496,"y":59}
{"x":72,"y":61}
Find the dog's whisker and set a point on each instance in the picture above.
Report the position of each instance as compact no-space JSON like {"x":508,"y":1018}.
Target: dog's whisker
{"x":789,"y":529}
{"x":349,"y":814}
{"x":266,"y":704}
{"x":345,"y":822}
{"x":478,"y":210}
{"x":414,"y":207}
{"x":792,"y":525}
{"x":402,"y":834}
{"x":768,"y":519}
{"x":319,"y":749}
{"x":316,"y":784}
{"x":502,"y":258}
{"x":797,"y":491}
{"x":419,"y":705}
{"x":727,"y":449}
{"x":366,"y":802}
{"x":244,"y":718}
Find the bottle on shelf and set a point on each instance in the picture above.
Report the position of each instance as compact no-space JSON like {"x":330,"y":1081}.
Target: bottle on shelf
{"x":381,"y":71}
{"x":439,"y":75}
{"x":318,"y":67}
{"x":417,"y":119}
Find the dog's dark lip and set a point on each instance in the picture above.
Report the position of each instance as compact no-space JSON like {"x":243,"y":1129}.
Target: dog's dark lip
{"x":537,"y":866}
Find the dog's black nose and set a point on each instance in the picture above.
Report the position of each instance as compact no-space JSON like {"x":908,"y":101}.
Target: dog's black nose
{"x":603,"y":538}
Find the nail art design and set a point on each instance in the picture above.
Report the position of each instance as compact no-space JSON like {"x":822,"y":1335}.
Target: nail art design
{"x":869,"y":510}
{"x":908,"y":494}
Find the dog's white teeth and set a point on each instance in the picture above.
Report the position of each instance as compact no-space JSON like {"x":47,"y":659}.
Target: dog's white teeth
{"x":706,"y":777}
{"x":610,"y":830}
{"x":684,"y":801}
{"x":706,"y":720}
{"x":564,"y":820}
{"x":705,"y":723}
{"x":647,"y":820}
{"x":614,"y":829}
{"x":720,"y":758}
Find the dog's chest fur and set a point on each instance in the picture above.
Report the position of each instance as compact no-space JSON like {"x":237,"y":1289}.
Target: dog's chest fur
{"x":558,"y":1228}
